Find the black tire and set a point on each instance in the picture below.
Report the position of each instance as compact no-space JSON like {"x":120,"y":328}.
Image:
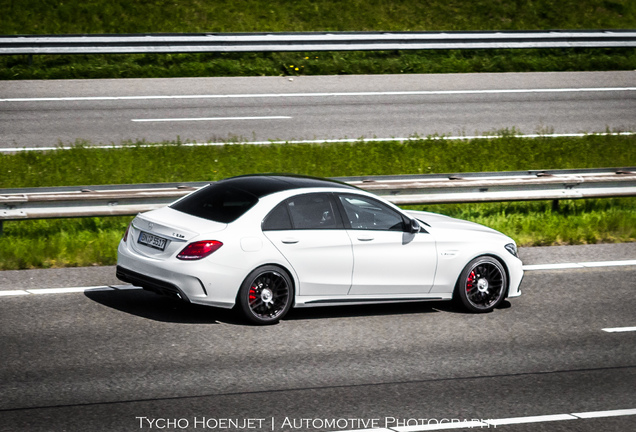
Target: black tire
{"x":266,"y":295}
{"x":482,"y":285}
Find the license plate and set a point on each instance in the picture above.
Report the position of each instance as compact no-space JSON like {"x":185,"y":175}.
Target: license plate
{"x":152,"y":240}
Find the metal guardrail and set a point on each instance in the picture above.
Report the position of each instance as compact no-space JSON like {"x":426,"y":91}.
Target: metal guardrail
{"x":504,"y":186}
{"x":119,"y":200}
{"x":319,"y":41}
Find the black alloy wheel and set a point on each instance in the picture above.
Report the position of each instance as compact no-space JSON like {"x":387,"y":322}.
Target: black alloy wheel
{"x":482,"y":285}
{"x":266,"y":295}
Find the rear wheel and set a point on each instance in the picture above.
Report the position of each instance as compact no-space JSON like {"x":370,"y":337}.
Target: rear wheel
{"x":266,"y":295}
{"x":482,"y":285}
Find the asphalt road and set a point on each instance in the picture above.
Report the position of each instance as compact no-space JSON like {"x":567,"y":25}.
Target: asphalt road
{"x":128,"y":360}
{"x":44,"y":113}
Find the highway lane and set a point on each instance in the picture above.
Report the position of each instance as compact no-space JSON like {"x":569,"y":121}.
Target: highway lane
{"x":129,"y":360}
{"x":43,"y":113}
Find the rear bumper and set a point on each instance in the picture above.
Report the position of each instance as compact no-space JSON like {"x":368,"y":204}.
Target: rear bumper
{"x":151,"y":284}
{"x":200,"y":282}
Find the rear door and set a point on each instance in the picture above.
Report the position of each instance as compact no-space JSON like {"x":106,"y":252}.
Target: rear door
{"x":308,"y":230}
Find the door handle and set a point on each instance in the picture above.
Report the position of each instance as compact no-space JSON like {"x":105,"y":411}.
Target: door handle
{"x":365,"y":238}
{"x":289,"y":240}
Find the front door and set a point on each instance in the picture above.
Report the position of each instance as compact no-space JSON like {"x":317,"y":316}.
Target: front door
{"x":388,"y":259}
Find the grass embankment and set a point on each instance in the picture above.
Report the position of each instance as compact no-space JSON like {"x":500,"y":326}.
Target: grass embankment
{"x":46,"y":243}
{"x":159,"y":16}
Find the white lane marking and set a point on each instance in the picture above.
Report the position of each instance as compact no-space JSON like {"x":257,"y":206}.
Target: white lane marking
{"x":619,"y":329}
{"x":579,"y":265}
{"x":450,"y":424}
{"x":600,"y":414}
{"x":609,"y":263}
{"x":440,"y":426}
{"x":319,"y":141}
{"x":69,"y":290}
{"x":532,"y":419}
{"x":211,"y":119}
{"x":13,"y":293}
{"x":596,"y":264}
{"x":551,"y":266}
{"x":40,"y":291}
{"x":368,"y":430}
{"x":327,"y":94}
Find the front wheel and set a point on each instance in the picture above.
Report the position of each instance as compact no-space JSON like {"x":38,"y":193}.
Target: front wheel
{"x":266,"y":295}
{"x":482,"y":285}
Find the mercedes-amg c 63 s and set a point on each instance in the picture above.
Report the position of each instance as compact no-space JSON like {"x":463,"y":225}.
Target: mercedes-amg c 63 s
{"x":267,"y":243}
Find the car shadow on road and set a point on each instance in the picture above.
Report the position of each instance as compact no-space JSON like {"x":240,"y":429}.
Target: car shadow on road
{"x":362,"y":310}
{"x":158,"y":308}
{"x":151,"y":306}
{"x":420,"y":307}
{"x":164,"y":309}
{"x":452,"y":307}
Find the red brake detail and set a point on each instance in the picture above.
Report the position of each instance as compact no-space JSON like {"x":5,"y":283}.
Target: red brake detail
{"x":469,"y":282}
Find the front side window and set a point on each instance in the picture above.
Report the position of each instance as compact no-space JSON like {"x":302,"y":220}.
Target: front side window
{"x":302,"y":212}
{"x":368,"y":214}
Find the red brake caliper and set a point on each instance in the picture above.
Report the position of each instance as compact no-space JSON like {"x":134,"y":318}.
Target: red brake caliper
{"x":471,"y":279}
{"x":252,"y":295}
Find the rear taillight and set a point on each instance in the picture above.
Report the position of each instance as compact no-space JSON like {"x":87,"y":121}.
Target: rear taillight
{"x":198,"y":250}
{"x":126,"y":233}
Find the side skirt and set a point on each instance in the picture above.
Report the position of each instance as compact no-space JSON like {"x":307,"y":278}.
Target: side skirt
{"x":317,"y":301}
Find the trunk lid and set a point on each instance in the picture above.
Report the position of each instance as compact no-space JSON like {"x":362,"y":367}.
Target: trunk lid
{"x":163,"y":233}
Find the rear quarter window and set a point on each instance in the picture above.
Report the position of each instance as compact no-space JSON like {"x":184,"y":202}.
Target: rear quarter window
{"x":278,"y":219}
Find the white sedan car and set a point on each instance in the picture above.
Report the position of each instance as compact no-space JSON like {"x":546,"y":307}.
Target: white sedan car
{"x":266,"y":243}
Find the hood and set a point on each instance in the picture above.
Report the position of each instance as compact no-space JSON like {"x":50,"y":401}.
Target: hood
{"x":438,"y":221}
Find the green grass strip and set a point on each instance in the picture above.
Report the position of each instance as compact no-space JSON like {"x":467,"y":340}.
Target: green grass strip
{"x":174,"y":162}
{"x":323,"y":63}
{"x":192,"y":16}
{"x":224,"y":16}
{"x":93,"y":241}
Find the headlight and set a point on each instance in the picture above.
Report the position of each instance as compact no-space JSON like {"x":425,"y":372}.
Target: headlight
{"x":512,"y":248}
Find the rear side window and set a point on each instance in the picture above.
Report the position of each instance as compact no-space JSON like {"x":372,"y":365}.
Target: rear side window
{"x":309,"y":211}
{"x":217,"y":202}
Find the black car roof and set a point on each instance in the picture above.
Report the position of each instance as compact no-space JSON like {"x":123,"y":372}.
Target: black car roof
{"x":260,"y":185}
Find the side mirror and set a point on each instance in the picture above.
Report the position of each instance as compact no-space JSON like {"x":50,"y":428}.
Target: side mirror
{"x":414,"y":226}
